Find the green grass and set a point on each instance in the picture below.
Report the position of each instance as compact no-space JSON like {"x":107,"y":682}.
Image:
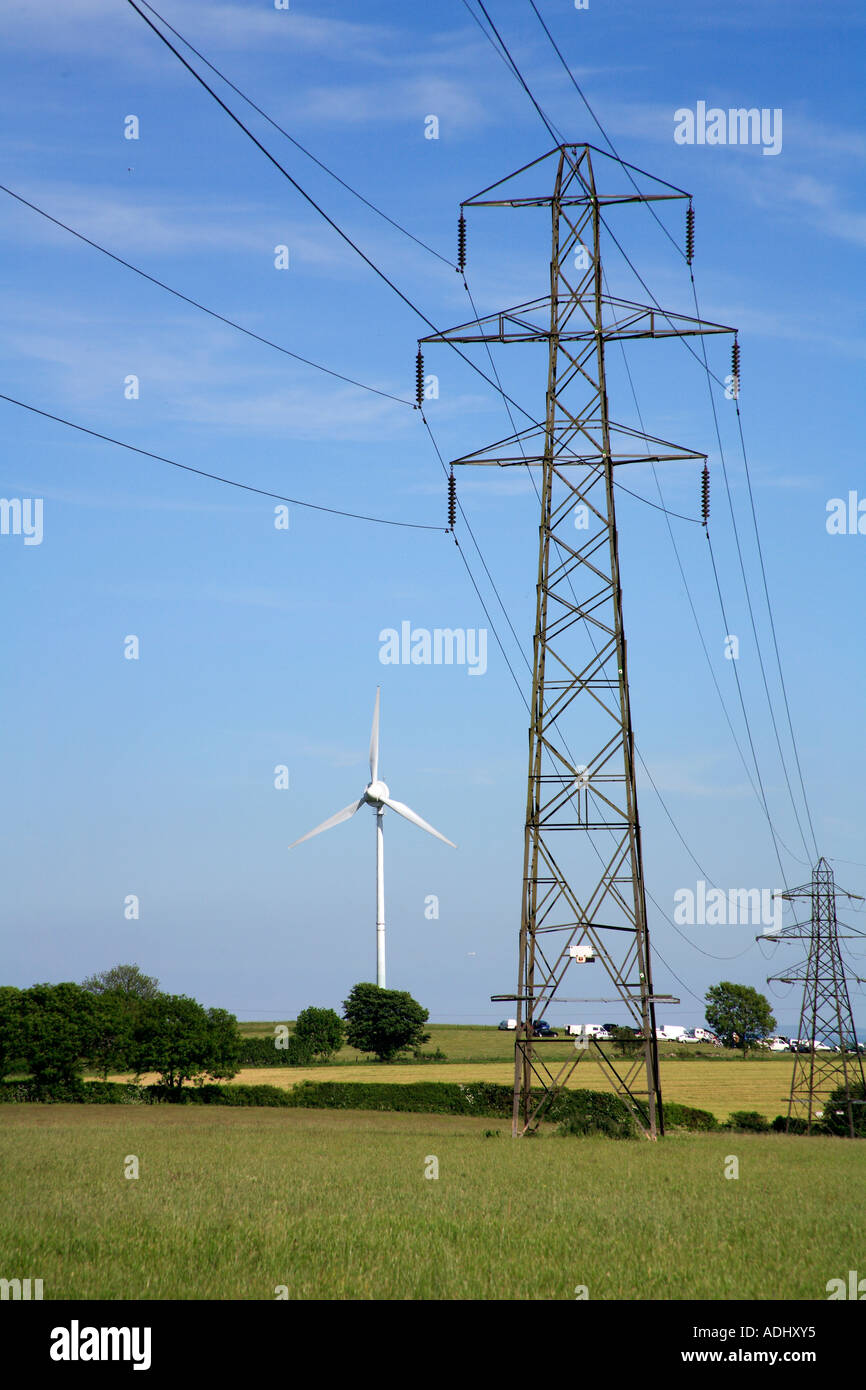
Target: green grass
{"x":231,"y":1204}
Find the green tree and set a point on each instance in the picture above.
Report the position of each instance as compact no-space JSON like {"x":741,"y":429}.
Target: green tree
{"x":115,"y":1019}
{"x":627,"y":1041}
{"x":119,"y":993}
{"x":58,"y":1032}
{"x":10,"y":1029}
{"x":739,"y":1015}
{"x":123,"y":979}
{"x":384,"y":1021}
{"x":320,"y":1030}
{"x":180,"y":1040}
{"x":835,"y":1117}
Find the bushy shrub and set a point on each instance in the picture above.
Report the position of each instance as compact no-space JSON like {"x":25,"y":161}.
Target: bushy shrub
{"x":75,"y":1093}
{"x":686,"y":1117}
{"x":592,"y":1112}
{"x":748,"y":1122}
{"x":321,"y":1031}
{"x":265,"y":1052}
{"x":835,"y":1117}
{"x":796,"y":1125}
{"x":212,"y":1094}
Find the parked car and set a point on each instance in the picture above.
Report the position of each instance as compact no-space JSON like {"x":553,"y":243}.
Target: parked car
{"x":508,"y":1024}
{"x":542,"y":1029}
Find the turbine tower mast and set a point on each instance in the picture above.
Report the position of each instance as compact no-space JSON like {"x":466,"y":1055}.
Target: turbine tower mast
{"x":583,"y":881}
{"x":825,"y":1013}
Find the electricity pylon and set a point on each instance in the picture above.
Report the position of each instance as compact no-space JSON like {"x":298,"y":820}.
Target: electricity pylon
{"x":583,"y":899}
{"x":825,"y":1014}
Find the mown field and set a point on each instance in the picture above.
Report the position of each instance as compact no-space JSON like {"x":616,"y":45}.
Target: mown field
{"x":234,"y":1203}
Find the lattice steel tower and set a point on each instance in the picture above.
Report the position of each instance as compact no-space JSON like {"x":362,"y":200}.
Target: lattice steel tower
{"x":825,"y":1014}
{"x":583,"y":884}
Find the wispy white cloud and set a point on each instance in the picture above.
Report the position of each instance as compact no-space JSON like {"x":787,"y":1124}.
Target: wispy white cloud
{"x":108,"y":502}
{"x":693,"y":776}
{"x":160,"y":224}
{"x":94,"y":27}
{"x":457,"y":109}
{"x":175,"y":592}
{"x":818,"y":201}
{"x":87,"y":356}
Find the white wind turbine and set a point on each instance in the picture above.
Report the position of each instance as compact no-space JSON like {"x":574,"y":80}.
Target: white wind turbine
{"x":378,"y":795}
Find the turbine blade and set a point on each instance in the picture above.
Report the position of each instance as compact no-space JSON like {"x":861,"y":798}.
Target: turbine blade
{"x":346,"y":813}
{"x":416,"y":820}
{"x":374,"y":741}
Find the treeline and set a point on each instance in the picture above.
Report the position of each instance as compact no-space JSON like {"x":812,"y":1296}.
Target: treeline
{"x":54,"y":1033}
{"x":119,"y":1022}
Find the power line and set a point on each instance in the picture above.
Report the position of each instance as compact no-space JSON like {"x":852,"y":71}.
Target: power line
{"x":195,"y":303}
{"x":496,"y":49}
{"x":745,"y":715}
{"x":215,"y":477}
{"x":312,"y":202}
{"x":364,"y":257}
{"x":773,"y":631}
{"x":746,"y":583}
{"x":297,"y":143}
{"x":486,"y":570}
{"x":555,"y":135}
{"x":693,"y":610}
{"x":625,"y":167}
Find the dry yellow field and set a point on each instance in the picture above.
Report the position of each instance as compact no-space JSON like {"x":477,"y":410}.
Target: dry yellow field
{"x":718,"y":1086}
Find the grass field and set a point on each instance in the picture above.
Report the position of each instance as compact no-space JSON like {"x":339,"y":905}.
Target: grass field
{"x":234,"y":1203}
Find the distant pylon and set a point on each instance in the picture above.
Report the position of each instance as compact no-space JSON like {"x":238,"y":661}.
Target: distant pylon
{"x":825,"y":1014}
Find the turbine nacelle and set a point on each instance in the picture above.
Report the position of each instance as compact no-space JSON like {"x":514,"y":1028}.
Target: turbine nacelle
{"x":377,"y":794}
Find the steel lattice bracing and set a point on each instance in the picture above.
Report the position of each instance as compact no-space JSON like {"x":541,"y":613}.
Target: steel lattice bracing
{"x":825,"y":1013}
{"x":583,"y":872}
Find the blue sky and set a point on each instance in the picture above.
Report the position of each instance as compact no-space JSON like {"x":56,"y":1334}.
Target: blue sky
{"x":260,"y":647}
